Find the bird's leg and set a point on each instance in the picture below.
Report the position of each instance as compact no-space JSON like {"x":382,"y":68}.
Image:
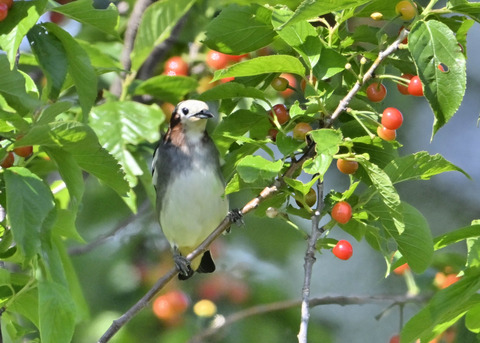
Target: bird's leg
{"x":182,"y":264}
{"x":236,"y":217}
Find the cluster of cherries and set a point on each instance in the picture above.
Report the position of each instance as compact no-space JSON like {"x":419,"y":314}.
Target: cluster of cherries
{"x":5,"y":6}
{"x":9,"y":159}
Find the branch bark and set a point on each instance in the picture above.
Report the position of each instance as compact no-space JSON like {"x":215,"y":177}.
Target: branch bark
{"x":252,"y":204}
{"x":398,"y":300}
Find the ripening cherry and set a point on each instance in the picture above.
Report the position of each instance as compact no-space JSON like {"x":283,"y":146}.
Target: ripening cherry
{"x":415,"y":87}
{"x":400,"y":270}
{"x":3,"y":11}
{"x":300,"y":131}
{"x":394,"y":339}
{"x":227,"y":79}
{"x":272,"y":133}
{"x":8,"y":161}
{"x":406,"y":10}
{"x":386,"y":134}
{"x":303,"y":83}
{"x":346,"y":166}
{"x":376,"y":92}
{"x":392,"y":118}
{"x":23,"y":151}
{"x":237,"y":58}
{"x":176,"y":66}
{"x":171,"y":305}
{"x":279,"y":84}
{"x":217,"y":60}
{"x":292,"y":82}
{"x":9,"y":3}
{"x":310,"y":198}
{"x":402,"y":88}
{"x":281,"y":112}
{"x":343,"y":250}
{"x":342,"y":212}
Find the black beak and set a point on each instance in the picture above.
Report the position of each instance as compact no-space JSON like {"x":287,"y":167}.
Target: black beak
{"x":204,"y":114}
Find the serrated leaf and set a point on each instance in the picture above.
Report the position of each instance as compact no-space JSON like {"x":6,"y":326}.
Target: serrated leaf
{"x":82,"y":143}
{"x":384,"y":186}
{"x":121,"y":124}
{"x":465,"y":7}
{"x":50,"y":112}
{"x":331,"y":63}
{"x":309,"y":9}
{"x":56,"y":312}
{"x":29,"y":203}
{"x":419,"y":166}
{"x":79,"y":68}
{"x":445,"y":308}
{"x":167,"y":88}
{"x":51,"y":58}
{"x":301,"y":36}
{"x":240,"y":29}
{"x":12,"y":88}
{"x":299,"y":186}
{"x":105,"y":20}
{"x":327,"y":142}
{"x":21,"y":18}
{"x":253,"y":168}
{"x":231,"y":90}
{"x":263,"y":65}
{"x":156,"y":25}
{"x":430,"y":44}
{"x":287,"y":145}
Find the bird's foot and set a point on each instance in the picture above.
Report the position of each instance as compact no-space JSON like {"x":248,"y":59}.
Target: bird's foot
{"x":182,"y":265}
{"x":236,"y":216}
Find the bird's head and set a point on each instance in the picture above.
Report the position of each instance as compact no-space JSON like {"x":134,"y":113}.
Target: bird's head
{"x":191,"y":115}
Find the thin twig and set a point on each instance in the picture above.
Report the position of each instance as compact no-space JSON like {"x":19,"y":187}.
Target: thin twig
{"x":250,"y":206}
{"x":308,"y":266}
{"x":399,"y":300}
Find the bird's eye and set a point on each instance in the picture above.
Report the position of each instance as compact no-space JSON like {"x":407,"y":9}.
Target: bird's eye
{"x":185,"y":111}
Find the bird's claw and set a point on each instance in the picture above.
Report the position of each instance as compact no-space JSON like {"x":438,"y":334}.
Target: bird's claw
{"x":236,"y":216}
{"x":182,"y":265}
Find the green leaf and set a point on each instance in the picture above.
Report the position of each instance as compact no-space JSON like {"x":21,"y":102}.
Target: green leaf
{"x":456,"y":236}
{"x":473,"y":253}
{"x":301,"y":36}
{"x":472,"y":319}
{"x":12,"y":88}
{"x":26,"y":304}
{"x":263,"y":65}
{"x":327,"y":142}
{"x":415,"y":242}
{"x":105,"y":20}
{"x":231,"y":90}
{"x":309,"y":9}
{"x":21,"y":18}
{"x":240,"y":29}
{"x":56,"y":313}
{"x":120,"y":125}
{"x":167,"y":88}
{"x":443,"y":310}
{"x":430,"y":44}
{"x":156,"y":25}
{"x":237,"y":124}
{"x":29,"y":203}
{"x":50,"y":112}
{"x":253,"y":168}
{"x":288,"y":145}
{"x":465,"y":7}
{"x":384,"y":186}
{"x":82,"y":143}
{"x":419,"y":166}
{"x":51,"y":58}
{"x":79,"y":68}
{"x":331,"y":63}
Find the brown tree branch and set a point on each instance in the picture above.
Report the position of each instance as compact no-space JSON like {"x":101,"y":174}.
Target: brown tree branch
{"x":394,"y":300}
{"x":251,"y":205}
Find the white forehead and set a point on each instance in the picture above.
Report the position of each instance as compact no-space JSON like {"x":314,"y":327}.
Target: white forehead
{"x":194,"y":106}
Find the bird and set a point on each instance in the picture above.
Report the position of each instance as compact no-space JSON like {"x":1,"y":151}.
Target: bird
{"x":190,"y":188}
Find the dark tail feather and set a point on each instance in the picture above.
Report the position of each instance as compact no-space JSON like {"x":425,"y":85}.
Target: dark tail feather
{"x":206,"y":264}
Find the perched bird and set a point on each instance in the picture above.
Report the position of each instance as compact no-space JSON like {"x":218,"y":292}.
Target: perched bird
{"x":190,"y":188}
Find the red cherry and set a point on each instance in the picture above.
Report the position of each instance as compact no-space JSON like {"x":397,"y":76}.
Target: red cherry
{"x":342,"y":212}
{"x":415,"y":86}
{"x":237,"y":58}
{"x":23,"y":151}
{"x":404,"y":89}
{"x":281,"y":112}
{"x":400,"y":270}
{"x":392,"y":118}
{"x":343,"y":250}
{"x":217,"y":60}
{"x":386,"y":134}
{"x":227,"y":79}
{"x":303,"y":83}
{"x":8,"y":161}
{"x":292,"y":82}
{"x":376,"y":92}
{"x":171,"y":305}
{"x":395,"y":339}
{"x":347,"y":167}
{"x":3,"y":11}
{"x":9,"y":3}
{"x":176,"y":66}
{"x":272,"y":133}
